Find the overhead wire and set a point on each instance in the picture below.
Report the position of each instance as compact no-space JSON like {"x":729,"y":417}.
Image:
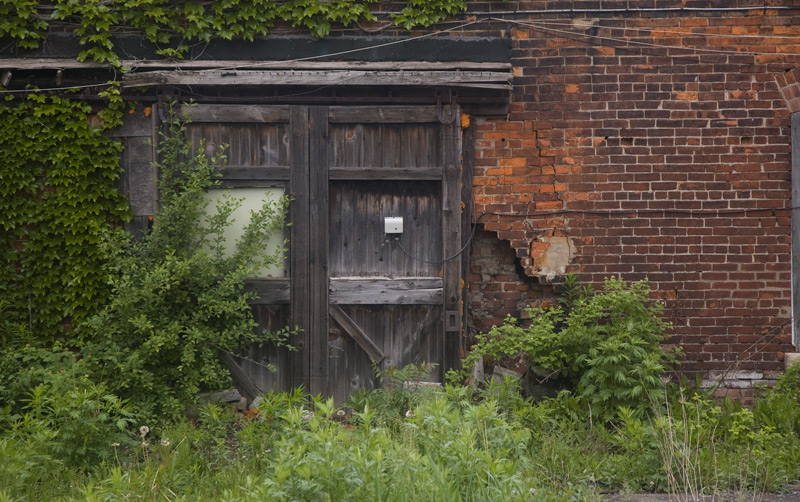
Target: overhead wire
{"x":665,"y":30}
{"x":539,"y":26}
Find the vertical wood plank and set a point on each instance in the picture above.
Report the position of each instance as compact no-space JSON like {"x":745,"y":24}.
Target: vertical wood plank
{"x":467,"y":170}
{"x":299,"y":243}
{"x":796,"y":228}
{"x":317,"y":295}
{"x":451,"y":234}
{"x":139,"y":174}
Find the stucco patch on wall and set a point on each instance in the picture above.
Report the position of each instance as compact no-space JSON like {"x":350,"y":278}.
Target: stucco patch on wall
{"x":551,"y":255}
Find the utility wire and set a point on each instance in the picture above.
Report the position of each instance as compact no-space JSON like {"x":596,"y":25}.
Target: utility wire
{"x":439,"y":262}
{"x":539,"y":26}
{"x":676,"y":31}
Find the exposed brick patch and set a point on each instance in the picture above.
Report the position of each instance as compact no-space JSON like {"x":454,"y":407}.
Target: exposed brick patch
{"x":497,"y":286}
{"x":789,"y":84}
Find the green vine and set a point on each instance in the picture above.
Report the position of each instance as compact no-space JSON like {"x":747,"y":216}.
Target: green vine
{"x":57,"y":196}
{"x":175,"y":26}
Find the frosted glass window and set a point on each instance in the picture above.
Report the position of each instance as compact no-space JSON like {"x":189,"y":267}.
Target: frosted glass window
{"x":251,"y":200}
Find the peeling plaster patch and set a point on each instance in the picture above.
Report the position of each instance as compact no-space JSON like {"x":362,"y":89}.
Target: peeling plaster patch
{"x":551,"y":256}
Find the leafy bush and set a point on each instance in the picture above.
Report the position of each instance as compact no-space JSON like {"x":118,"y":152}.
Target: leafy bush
{"x":55,"y":421}
{"x":176,"y":299}
{"x":607,"y":344}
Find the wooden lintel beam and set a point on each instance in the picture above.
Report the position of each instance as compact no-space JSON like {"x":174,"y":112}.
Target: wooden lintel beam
{"x":455,"y":78}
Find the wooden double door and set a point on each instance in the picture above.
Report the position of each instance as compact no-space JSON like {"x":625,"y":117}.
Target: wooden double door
{"x":365,"y":300}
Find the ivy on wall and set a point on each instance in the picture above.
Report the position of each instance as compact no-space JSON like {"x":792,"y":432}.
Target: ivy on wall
{"x":58,"y":194}
{"x":165,"y":21}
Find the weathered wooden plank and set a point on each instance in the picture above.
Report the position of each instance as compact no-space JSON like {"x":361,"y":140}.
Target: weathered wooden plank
{"x":242,"y":380}
{"x":317,"y":296}
{"x":255,"y":173}
{"x":467,"y":170}
{"x":385,"y":173}
{"x":299,"y":244}
{"x":796,"y":228}
{"x":460,"y":78}
{"x":357,"y":334}
{"x":140,"y":176}
{"x":406,"y":334}
{"x":244,"y":144}
{"x":451,"y":234}
{"x":269,"y":366}
{"x":382,"y":114}
{"x":359,"y":207}
{"x":385,"y":291}
{"x":235,"y":113}
{"x":269,"y":291}
{"x":134,"y":125}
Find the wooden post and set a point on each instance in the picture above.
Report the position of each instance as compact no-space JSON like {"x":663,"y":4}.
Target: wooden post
{"x":467,"y":169}
{"x":299,"y":246}
{"x":451,"y":240}
{"x":316,"y":300}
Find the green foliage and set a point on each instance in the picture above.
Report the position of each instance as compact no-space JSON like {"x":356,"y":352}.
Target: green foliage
{"x":452,"y":444}
{"x":399,"y":393}
{"x":57,"y":197}
{"x":176,"y":299}
{"x":175,"y":26}
{"x":428,"y":12}
{"x":19,"y":19}
{"x":55,"y":419}
{"x":607,"y":344}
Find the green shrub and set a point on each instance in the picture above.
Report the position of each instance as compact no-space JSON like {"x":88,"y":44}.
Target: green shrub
{"x":607,"y":344}
{"x":55,"y":421}
{"x":176,"y":299}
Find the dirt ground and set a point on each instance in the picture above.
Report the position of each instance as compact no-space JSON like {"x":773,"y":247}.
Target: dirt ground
{"x":792,"y":495}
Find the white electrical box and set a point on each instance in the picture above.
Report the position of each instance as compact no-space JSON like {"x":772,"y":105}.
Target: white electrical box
{"x":393,"y":224}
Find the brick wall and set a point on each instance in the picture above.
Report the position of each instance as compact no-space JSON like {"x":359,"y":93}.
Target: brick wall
{"x":625,"y":154}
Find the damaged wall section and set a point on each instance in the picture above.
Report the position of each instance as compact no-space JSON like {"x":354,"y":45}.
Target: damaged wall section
{"x":498,"y":285}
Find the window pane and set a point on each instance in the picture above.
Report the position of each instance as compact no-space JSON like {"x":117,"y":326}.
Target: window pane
{"x":251,"y":200}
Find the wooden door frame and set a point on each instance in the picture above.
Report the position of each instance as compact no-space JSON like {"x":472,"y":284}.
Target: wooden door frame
{"x":307,"y":180}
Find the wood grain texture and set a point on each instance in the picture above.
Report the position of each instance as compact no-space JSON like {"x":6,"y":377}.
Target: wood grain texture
{"x":269,"y":366}
{"x":416,"y":78}
{"x":380,"y":291}
{"x":382,"y":114}
{"x":243,"y":145}
{"x":358,"y":245}
{"x":316,"y":300}
{"x":269,"y":291}
{"x":405,"y":334}
{"x":242,"y":379}
{"x":299,"y":243}
{"x":385,"y":173}
{"x":356,"y":333}
{"x":217,"y":114}
{"x":467,"y":170}
{"x":451,"y":232}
